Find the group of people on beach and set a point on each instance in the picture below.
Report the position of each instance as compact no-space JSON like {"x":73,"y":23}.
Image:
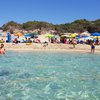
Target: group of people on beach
{"x":2,"y":49}
{"x":92,"y":44}
{"x":73,"y":41}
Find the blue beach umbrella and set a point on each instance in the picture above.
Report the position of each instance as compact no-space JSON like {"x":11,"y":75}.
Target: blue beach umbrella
{"x":96,"y":34}
{"x":27,"y":35}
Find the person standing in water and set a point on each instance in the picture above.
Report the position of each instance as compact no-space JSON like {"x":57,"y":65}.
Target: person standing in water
{"x":2,"y":49}
{"x":92,"y":47}
{"x":74,"y":42}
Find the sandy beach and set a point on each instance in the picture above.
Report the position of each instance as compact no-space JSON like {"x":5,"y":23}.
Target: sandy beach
{"x":51,"y":47}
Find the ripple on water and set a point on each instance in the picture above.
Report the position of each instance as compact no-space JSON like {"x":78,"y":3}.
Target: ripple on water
{"x":49,"y":76}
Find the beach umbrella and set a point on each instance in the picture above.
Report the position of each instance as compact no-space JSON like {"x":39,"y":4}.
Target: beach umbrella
{"x":18,"y":34}
{"x":96,"y":34}
{"x":65,"y":35}
{"x":74,"y":35}
{"x":56,"y":36}
{"x":27,"y":35}
{"x":49,"y":35}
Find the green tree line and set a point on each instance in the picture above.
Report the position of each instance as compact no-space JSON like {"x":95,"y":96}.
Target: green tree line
{"x":76,"y":26}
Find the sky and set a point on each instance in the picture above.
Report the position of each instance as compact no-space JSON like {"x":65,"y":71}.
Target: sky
{"x":52,"y":11}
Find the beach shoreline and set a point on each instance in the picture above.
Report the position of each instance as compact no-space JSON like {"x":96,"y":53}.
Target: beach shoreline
{"x":22,"y":47}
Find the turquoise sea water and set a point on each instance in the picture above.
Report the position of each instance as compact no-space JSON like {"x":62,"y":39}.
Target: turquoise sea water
{"x":49,"y":76}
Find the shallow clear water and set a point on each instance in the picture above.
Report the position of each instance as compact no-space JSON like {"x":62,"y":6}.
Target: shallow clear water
{"x":49,"y":76}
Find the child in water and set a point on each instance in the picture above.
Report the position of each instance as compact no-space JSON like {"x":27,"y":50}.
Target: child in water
{"x":2,"y":49}
{"x":92,"y":47}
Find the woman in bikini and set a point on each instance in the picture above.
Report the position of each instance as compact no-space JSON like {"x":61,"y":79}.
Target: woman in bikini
{"x":92,"y":47}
